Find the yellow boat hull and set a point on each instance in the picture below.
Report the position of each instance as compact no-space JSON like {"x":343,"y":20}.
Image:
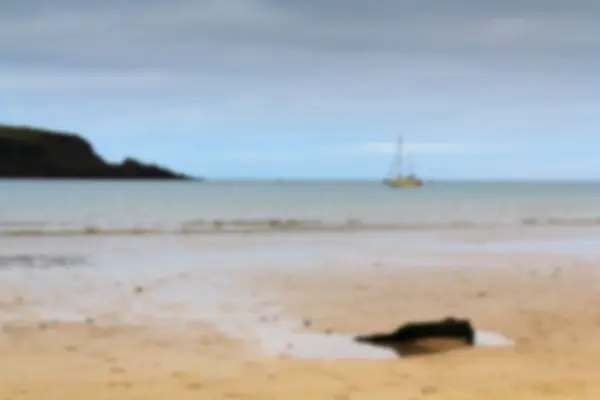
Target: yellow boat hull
{"x":403,"y":183}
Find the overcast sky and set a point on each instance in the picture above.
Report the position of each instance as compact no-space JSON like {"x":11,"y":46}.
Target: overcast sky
{"x":307,"y":88}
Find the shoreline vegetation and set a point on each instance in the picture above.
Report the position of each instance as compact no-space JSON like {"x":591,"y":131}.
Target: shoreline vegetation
{"x":36,"y":153}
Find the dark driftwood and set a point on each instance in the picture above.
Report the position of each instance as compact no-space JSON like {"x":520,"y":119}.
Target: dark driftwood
{"x":424,"y":337}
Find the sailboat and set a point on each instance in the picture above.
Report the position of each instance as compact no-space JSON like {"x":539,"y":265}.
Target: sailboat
{"x":396,"y":177}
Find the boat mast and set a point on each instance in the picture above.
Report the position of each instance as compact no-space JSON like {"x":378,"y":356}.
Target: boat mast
{"x":399,"y":158}
{"x":410,"y":165}
{"x":395,"y":169}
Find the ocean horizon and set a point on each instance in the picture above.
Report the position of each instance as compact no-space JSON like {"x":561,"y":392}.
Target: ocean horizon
{"x":43,"y":207}
{"x":206,"y":180}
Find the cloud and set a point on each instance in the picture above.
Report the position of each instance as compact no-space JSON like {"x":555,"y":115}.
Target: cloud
{"x":261,"y":157}
{"x":290,"y":38}
{"x":58,"y":79}
{"x":518,"y":62}
{"x":416,"y":148}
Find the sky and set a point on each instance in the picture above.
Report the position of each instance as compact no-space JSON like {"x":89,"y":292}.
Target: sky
{"x":479,"y":89}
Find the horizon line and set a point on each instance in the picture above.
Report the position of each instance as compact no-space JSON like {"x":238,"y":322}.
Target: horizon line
{"x":309,"y":180}
{"x":433,"y":180}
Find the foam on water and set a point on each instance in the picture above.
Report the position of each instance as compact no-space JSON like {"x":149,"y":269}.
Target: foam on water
{"x":492,"y":339}
{"x":587,"y":245}
{"x":282,"y":340}
{"x":181,"y":286}
{"x":274,"y":332}
{"x":567,"y":246}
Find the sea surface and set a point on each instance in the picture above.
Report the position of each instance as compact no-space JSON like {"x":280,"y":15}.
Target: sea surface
{"x":170,"y":253}
{"x":29,"y":208}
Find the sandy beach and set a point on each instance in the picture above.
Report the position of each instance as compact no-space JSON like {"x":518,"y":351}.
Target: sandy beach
{"x":190,"y":319}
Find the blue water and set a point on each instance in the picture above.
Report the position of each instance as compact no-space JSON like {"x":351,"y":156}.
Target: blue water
{"x":35,"y":207}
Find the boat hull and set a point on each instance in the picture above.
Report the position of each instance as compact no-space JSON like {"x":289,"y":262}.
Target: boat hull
{"x":403,"y":183}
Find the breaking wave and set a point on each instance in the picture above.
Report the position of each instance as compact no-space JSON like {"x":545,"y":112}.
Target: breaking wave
{"x":249,"y":226}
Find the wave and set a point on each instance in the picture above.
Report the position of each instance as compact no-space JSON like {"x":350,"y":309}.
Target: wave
{"x":41,"y":261}
{"x":249,"y":226}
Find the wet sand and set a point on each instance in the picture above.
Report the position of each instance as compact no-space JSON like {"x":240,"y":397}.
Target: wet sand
{"x":189,"y":319}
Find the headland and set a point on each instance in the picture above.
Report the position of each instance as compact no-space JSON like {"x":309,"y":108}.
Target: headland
{"x":36,"y":153}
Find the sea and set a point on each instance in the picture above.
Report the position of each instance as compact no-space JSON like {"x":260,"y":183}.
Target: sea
{"x":168,"y":254}
{"x":29,"y":208}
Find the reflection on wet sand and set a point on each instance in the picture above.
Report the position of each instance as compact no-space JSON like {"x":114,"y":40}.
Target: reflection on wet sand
{"x":41,"y":261}
{"x":228,"y":319}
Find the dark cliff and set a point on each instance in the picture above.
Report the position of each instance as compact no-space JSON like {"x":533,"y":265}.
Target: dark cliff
{"x":27,"y":152}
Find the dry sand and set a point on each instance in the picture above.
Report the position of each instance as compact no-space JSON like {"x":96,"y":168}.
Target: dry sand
{"x":547,"y":303}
